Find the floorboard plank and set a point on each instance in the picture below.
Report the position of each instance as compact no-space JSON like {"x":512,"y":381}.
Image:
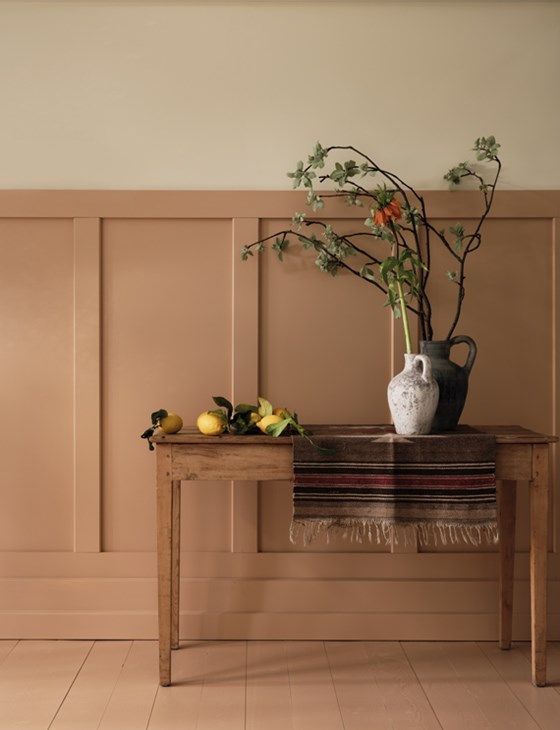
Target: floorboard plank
{"x":376,"y":687}
{"x":88,"y":697}
{"x":222,"y":700}
{"x":314,"y":700}
{"x":269,"y":703}
{"x":131,"y":701}
{"x":464,"y":688}
{"x":34,"y":679}
{"x":543,"y":703}
{"x":177,"y":707}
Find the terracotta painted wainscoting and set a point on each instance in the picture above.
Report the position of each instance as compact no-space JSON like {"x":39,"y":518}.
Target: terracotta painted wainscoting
{"x":116,"y":303}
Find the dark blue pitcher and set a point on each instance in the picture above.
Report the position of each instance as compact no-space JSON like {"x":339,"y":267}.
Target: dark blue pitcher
{"x":453,"y":380}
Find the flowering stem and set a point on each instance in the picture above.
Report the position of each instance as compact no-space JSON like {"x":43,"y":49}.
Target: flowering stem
{"x":404,"y":315}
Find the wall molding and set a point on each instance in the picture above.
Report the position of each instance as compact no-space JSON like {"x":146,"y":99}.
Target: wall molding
{"x":87,"y":384}
{"x":244,"y":372}
{"x":89,"y":593}
{"x":252,"y":204}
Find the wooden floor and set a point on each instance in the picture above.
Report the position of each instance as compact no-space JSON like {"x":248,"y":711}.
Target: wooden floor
{"x":260,"y":685}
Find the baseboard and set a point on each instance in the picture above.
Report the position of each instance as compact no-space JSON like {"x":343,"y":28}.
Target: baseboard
{"x":263,"y":626}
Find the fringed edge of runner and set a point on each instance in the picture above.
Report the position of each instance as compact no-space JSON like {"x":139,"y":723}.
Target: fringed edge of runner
{"x":387,"y":532}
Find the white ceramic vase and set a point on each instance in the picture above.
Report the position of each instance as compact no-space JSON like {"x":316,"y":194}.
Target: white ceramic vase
{"x":413,"y":396}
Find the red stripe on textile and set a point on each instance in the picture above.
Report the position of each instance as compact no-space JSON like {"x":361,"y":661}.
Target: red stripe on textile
{"x":396,"y":481}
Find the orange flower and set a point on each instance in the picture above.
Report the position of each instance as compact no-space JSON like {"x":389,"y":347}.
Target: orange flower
{"x":395,"y":208}
{"x":380,"y":217}
{"x":383,"y":215}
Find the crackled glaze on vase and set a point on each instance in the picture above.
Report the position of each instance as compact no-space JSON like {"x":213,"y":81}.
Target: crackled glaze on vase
{"x":413,"y":396}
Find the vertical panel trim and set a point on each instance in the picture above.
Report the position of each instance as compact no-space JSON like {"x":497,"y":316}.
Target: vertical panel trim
{"x":87,"y":385}
{"x":555,"y":374}
{"x":244,"y":372}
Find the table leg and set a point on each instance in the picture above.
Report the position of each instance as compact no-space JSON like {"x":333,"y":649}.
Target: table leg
{"x":506,"y":526}
{"x":164,"y":539}
{"x":175,"y":564}
{"x":538,"y":490}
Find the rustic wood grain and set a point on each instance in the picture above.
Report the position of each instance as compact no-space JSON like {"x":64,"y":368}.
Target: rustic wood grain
{"x":175,"y":564}
{"x":538,"y":495}
{"x":507,"y":492}
{"x":191,"y":435}
{"x":164,"y":537}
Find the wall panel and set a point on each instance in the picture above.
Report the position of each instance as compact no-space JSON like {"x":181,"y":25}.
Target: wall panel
{"x":36,"y":370}
{"x":166,"y":344}
{"x":117,"y":303}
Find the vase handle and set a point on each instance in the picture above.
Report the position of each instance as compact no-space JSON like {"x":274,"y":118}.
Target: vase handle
{"x":426,"y":363}
{"x":471,"y":357}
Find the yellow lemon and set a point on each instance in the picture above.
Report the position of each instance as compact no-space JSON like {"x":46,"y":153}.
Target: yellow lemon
{"x":268,"y":421}
{"x":210,"y":424}
{"x":282,"y":412}
{"x":171,"y":423}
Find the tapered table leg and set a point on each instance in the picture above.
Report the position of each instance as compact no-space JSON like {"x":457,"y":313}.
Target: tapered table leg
{"x":175,"y":564}
{"x":506,"y":526}
{"x":538,"y":561}
{"x":164,"y":559}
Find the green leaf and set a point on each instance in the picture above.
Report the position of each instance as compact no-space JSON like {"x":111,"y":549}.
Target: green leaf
{"x":265,"y":407}
{"x":157,"y":416}
{"x":245,"y":408}
{"x":387,"y":267}
{"x":275,"y":429}
{"x":148,"y":433}
{"x":280,"y":245}
{"x":366,"y":272}
{"x":223,"y":403}
{"x":241,"y":423}
{"x":315,"y":201}
{"x":317,"y":159}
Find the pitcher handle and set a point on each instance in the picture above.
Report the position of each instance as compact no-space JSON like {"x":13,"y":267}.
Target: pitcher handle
{"x":426,"y":363}
{"x":471,"y":357}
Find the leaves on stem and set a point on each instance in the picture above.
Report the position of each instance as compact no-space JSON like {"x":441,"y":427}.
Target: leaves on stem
{"x":486,"y":148}
{"x":280,"y":245}
{"x":315,"y":201}
{"x":317,"y":158}
{"x":302,"y":176}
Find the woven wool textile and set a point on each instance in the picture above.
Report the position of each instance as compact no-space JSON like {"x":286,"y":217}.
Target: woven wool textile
{"x":366,"y":481}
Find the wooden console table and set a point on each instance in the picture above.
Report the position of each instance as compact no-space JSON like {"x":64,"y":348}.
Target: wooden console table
{"x":188,"y":456}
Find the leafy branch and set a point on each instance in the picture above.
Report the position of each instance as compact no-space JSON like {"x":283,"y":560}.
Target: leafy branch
{"x":397,"y":218}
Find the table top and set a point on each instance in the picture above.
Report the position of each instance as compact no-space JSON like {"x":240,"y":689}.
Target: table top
{"x":191,"y":435}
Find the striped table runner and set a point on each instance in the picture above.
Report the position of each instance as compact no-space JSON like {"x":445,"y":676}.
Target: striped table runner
{"x":365,"y":481}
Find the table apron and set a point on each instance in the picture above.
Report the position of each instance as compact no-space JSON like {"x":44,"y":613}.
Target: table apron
{"x":271,"y":462}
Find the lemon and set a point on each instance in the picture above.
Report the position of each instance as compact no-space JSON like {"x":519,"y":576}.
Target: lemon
{"x":282,"y":412}
{"x":210,"y":424}
{"x":268,"y":421}
{"x":171,"y":423}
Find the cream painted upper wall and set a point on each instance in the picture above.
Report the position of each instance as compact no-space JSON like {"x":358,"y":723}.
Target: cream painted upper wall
{"x":230,"y":95}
